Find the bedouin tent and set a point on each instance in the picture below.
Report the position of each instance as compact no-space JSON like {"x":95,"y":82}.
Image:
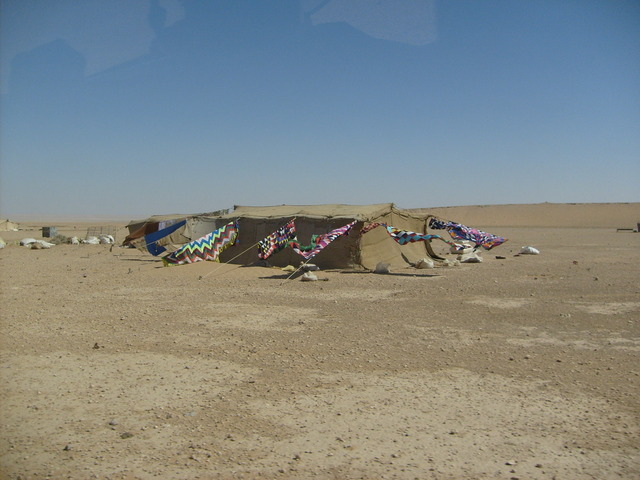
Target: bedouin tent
{"x":139,"y":228}
{"x":348,"y":251}
{"x":7,"y":225}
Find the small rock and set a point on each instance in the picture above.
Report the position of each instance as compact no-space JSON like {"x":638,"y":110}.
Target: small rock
{"x":425,"y":263}
{"x":470,"y":258}
{"x":126,"y":435}
{"x":309,"y":277}
{"x":382,"y":267}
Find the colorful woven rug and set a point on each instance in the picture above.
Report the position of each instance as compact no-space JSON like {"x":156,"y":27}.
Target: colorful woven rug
{"x":406,"y":236}
{"x":321,"y":241}
{"x":277,"y":240}
{"x":462,"y":232}
{"x":208,"y":247}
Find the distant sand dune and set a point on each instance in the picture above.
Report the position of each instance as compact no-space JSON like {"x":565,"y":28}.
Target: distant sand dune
{"x":598,"y":215}
{"x":586,"y":215}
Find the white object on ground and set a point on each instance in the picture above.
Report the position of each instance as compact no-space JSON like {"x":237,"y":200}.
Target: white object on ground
{"x":450,"y":263}
{"x":425,"y":263}
{"x":309,"y":277}
{"x":28,"y":242}
{"x":470,"y":258}
{"x":529,"y":251}
{"x":382,"y":267}
{"x":91,"y":240}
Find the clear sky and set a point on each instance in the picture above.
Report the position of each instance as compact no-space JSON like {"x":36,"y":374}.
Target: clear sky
{"x":139,"y":107}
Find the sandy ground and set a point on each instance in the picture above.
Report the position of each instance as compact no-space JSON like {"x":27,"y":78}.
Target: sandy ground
{"x":527,"y":367}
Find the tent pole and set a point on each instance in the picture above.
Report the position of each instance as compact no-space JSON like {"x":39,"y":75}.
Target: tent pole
{"x":297,"y":269}
{"x":229,"y":261}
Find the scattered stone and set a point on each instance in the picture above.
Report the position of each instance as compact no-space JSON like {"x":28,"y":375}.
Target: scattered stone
{"x":382,"y":268}
{"x":112,"y":422}
{"x":425,"y":263}
{"x":309,"y":277}
{"x":126,"y":435}
{"x":529,"y":251}
{"x":67,"y":448}
{"x":472,"y":257}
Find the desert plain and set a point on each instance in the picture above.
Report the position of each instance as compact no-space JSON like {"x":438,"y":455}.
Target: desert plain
{"x":519,"y":367}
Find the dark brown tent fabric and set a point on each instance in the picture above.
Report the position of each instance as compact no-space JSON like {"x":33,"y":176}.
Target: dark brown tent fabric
{"x":351,"y":251}
{"x":354,"y":250}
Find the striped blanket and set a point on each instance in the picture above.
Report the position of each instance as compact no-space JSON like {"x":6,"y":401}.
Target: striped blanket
{"x":321,"y":241}
{"x":208,"y":247}
{"x":406,"y":236}
{"x":276,"y":241}
{"x":462,"y":232}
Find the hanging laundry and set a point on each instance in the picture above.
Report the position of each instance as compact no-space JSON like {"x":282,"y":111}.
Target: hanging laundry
{"x":371,"y":226}
{"x":306,"y":248}
{"x":321,"y":241}
{"x":462,"y":232}
{"x":277,"y":240}
{"x":208,"y":247}
{"x":153,"y":242}
{"x":406,"y":236}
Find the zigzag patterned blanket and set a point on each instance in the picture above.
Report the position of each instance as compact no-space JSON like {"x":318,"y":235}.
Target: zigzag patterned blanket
{"x":321,"y":241}
{"x":277,"y":240}
{"x":208,"y":247}
{"x":462,"y":232}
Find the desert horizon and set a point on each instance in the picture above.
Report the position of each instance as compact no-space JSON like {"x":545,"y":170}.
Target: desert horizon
{"x":521,"y":366}
{"x":544,"y":214}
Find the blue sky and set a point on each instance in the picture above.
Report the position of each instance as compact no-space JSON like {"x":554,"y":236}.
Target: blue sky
{"x":139,"y":107}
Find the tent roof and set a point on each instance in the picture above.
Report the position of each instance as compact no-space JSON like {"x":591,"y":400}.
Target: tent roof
{"x":160,"y":218}
{"x":6,"y":224}
{"x":357,"y":212}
